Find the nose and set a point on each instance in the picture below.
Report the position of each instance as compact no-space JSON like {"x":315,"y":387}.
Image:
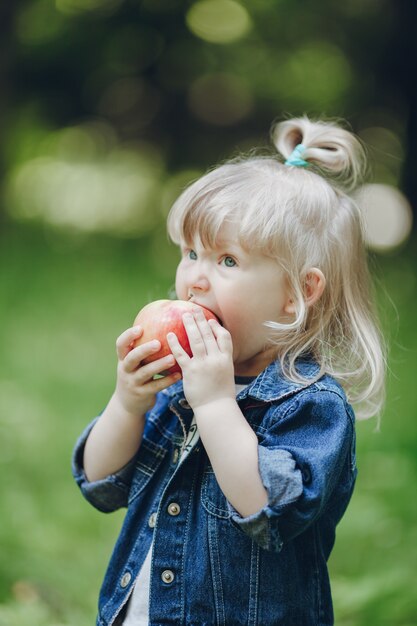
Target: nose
{"x":200,"y":284}
{"x":198,"y":280}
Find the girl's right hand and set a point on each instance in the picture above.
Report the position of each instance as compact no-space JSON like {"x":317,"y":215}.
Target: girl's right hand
{"x":135,"y":387}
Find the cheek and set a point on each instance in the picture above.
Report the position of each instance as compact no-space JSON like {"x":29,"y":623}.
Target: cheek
{"x":180,"y":287}
{"x":246,"y":323}
{"x":237,"y":319}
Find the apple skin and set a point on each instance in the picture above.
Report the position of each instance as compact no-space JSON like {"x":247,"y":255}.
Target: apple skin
{"x":162,"y":317}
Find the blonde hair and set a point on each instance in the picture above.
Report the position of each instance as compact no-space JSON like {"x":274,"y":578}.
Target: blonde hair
{"x":304,"y":218}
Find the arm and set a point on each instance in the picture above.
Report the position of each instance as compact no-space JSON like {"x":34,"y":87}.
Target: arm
{"x":307,"y":465}
{"x":117,"y":434}
{"x":208,"y":378}
{"x":232,"y":447}
{"x":279,"y":486}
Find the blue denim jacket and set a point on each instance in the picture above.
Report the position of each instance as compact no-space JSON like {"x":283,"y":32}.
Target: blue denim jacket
{"x":210,"y":566}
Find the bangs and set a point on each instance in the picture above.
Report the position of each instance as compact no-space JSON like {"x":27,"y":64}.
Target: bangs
{"x":201,"y":219}
{"x":231,"y":195}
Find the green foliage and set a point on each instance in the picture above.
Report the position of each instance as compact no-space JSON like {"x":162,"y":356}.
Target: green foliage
{"x":102,"y":101}
{"x":65,"y":300}
{"x":107,"y":109}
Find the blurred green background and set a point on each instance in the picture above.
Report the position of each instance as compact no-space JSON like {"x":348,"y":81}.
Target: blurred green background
{"x":107,"y":109}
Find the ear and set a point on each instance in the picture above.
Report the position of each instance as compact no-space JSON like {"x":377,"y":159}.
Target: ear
{"x":314,"y":284}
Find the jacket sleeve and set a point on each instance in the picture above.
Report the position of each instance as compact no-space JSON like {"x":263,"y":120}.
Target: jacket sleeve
{"x":302,"y":455}
{"x":108,"y":494}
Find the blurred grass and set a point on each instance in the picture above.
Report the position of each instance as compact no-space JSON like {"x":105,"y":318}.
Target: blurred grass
{"x":64,"y":301}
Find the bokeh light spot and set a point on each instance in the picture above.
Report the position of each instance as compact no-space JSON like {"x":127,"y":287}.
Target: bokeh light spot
{"x":387,"y":214}
{"x":75,"y":7}
{"x":387,"y":153}
{"x":218,"y":21}
{"x":132,"y":48}
{"x":133,"y":102}
{"x":82,"y":182}
{"x":220,"y":99}
{"x":39,"y":23}
{"x":318,"y":72}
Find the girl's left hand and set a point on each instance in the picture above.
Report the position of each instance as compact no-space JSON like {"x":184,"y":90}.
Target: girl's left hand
{"x":208,"y":375}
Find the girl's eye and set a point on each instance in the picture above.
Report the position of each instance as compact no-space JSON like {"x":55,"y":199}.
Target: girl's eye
{"x":192,"y":255}
{"x":229,"y":261}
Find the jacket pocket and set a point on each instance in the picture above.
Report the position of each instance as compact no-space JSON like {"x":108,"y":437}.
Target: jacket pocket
{"x":148,"y":460}
{"x":212,"y":497}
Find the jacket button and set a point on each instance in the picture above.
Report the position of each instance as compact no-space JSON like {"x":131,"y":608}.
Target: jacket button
{"x":152,"y":520}
{"x":125,"y":580}
{"x":184,"y":404}
{"x":167,"y":576}
{"x":174,"y":509}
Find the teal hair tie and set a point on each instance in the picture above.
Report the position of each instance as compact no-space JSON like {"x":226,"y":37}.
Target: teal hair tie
{"x":295,"y":157}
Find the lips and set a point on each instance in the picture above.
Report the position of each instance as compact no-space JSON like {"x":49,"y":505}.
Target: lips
{"x":194,"y":301}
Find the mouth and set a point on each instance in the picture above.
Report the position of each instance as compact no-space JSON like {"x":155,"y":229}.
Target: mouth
{"x":193,"y":301}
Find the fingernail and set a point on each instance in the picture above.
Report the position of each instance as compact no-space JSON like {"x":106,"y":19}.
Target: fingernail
{"x":155,"y":344}
{"x":137,"y":330}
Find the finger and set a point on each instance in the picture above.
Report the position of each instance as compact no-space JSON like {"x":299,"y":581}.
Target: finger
{"x":223,"y":337}
{"x":206,"y":332}
{"x":197,"y":345}
{"x":134,"y":358}
{"x":148,"y":371}
{"x":162,"y":383}
{"x":125,"y":340}
{"x":177,"y":350}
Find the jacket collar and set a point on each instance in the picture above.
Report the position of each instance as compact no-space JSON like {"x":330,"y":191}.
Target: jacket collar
{"x":271,"y":384}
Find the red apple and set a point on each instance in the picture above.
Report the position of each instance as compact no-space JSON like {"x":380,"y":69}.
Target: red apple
{"x":161,"y":317}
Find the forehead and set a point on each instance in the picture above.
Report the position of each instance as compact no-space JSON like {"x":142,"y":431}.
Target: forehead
{"x":227,"y":237}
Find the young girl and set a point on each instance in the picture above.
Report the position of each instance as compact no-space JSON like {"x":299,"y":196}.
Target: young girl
{"x":236,"y":476}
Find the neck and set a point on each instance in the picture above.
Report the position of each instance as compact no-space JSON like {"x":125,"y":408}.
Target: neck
{"x":256,"y":364}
